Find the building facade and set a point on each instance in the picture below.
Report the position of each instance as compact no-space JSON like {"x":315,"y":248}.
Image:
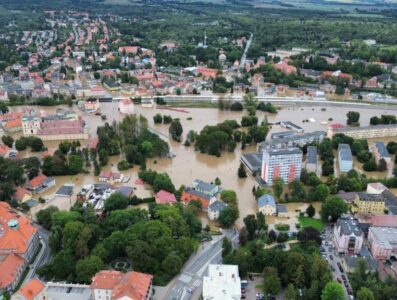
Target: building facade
{"x":347,"y":235}
{"x":383,"y":242}
{"x":283,"y":163}
{"x":369,"y":203}
{"x":379,"y":151}
{"x":365,"y":132}
{"x":267,"y":205}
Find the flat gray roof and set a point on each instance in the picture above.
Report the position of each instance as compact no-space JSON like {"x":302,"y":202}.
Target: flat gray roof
{"x":344,"y":152}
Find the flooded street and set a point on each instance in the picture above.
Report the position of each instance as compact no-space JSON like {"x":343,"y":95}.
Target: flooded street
{"x":188,"y":164}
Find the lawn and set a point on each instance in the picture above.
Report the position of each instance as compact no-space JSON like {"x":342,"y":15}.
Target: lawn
{"x":306,"y":222}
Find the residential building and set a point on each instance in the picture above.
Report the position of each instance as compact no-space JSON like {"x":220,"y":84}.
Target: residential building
{"x":215,"y":208}
{"x":190,"y":194}
{"x":252,"y":161}
{"x":384,"y":221}
{"x":7,"y":152}
{"x":35,"y":289}
{"x":267,"y":205}
{"x":294,"y":140}
{"x":311,"y":159}
{"x":365,"y":132}
{"x":91,"y":105}
{"x":115,"y":285}
{"x":110,"y":177}
{"x":383,"y":242}
{"x":390,"y":202}
{"x":369,"y":203}
{"x":40,"y":183}
{"x":347,"y":235}
{"x":30,"y":290}
{"x":380,"y":151}
{"x":222,"y":283}
{"x":22,"y":195}
{"x":126,"y":106}
{"x":345,"y":158}
{"x":283,"y":163}
{"x":375,"y":188}
{"x":19,"y":241}
{"x":164,"y":197}
{"x":206,"y":188}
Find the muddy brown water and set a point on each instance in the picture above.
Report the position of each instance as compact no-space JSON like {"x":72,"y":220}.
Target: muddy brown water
{"x":188,"y":164}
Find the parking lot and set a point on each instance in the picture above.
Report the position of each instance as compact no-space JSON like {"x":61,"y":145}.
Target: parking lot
{"x":335,"y":261}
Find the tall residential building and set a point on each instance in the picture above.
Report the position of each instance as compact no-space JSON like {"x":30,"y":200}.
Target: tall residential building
{"x":283,"y":163}
{"x":222,"y":283}
{"x":347,"y":235}
{"x":345,"y":158}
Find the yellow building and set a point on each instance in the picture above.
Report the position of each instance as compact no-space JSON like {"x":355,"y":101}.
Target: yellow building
{"x":369,"y":203}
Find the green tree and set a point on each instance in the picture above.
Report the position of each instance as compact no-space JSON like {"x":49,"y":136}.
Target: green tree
{"x":176,"y":130}
{"x":44,"y":216}
{"x":278,"y":187}
{"x":365,"y":294}
{"x":271,"y":281}
{"x":321,"y":192}
{"x":87,"y":267}
{"x":228,"y":216}
{"x":333,"y":291}
{"x":353,"y":118}
{"x":382,"y":165}
{"x":332,"y":208}
{"x":226,"y":247}
{"x":291,"y":293}
{"x":251,"y":225}
{"x":116,"y":201}
{"x":103,"y":157}
{"x":3,"y":108}
{"x":76,"y":163}
{"x":310,"y":211}
{"x":241,"y":171}
{"x":7,"y":140}
{"x":163,"y":182}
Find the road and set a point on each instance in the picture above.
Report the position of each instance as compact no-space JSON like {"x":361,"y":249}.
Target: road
{"x":247,"y":46}
{"x":330,"y":250}
{"x":191,"y":276}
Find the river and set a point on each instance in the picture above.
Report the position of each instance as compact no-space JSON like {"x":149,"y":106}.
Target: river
{"x":188,"y":164}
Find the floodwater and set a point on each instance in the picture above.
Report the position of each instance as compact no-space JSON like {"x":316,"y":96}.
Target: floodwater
{"x":188,"y":164}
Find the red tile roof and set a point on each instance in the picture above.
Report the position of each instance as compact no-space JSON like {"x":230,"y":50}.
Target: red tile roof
{"x":14,"y":240}
{"x":187,"y":197}
{"x":31,"y":289}
{"x":164,"y":197}
{"x":20,"y":193}
{"x":132,"y":284}
{"x":14,"y":123}
{"x":384,"y":220}
{"x":37,"y":181}
{"x":4,"y":150}
{"x":10,"y":267}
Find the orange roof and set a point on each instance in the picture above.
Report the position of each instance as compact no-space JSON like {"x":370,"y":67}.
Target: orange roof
{"x":20,"y":193}
{"x":207,"y":72}
{"x":132,"y":284}
{"x":31,"y":289}
{"x":14,"y":240}
{"x":35,"y":182}
{"x":129,"y":49}
{"x":187,"y":197}
{"x":14,"y":123}
{"x":384,"y":220}
{"x":4,"y":150}
{"x":10,"y":267}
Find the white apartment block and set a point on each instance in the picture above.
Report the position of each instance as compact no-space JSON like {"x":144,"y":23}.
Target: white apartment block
{"x":222,"y":283}
{"x":283,"y":163}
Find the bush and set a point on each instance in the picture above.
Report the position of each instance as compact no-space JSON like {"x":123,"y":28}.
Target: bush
{"x":236,"y":106}
{"x":123,"y":165}
{"x":282,"y":227}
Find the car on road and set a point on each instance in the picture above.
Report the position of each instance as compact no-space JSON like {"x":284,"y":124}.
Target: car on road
{"x":349,"y":291}
{"x":331,"y":257}
{"x":339,"y":280}
{"x":340,"y":268}
{"x":343,"y":277}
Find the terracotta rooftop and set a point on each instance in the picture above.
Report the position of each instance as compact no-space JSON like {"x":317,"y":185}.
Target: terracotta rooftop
{"x":31,"y":289}
{"x":164,"y":197}
{"x":4,"y":150}
{"x":20,"y":193}
{"x":132,"y":284}
{"x":384,"y":220}
{"x":9,"y":269}
{"x":14,"y":240}
{"x":37,"y":181}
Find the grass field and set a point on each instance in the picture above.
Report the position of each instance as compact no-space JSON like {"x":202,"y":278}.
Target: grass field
{"x":306,"y":222}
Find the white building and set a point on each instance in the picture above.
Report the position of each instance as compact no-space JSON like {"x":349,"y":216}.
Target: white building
{"x":267,"y":205}
{"x":348,"y":237}
{"x":215,"y":208}
{"x":126,"y":106}
{"x":30,"y":125}
{"x":283,"y":163}
{"x":222,"y":283}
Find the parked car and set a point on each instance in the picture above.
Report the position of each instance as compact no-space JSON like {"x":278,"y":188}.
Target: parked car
{"x":339,"y":280}
{"x":331,"y":257}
